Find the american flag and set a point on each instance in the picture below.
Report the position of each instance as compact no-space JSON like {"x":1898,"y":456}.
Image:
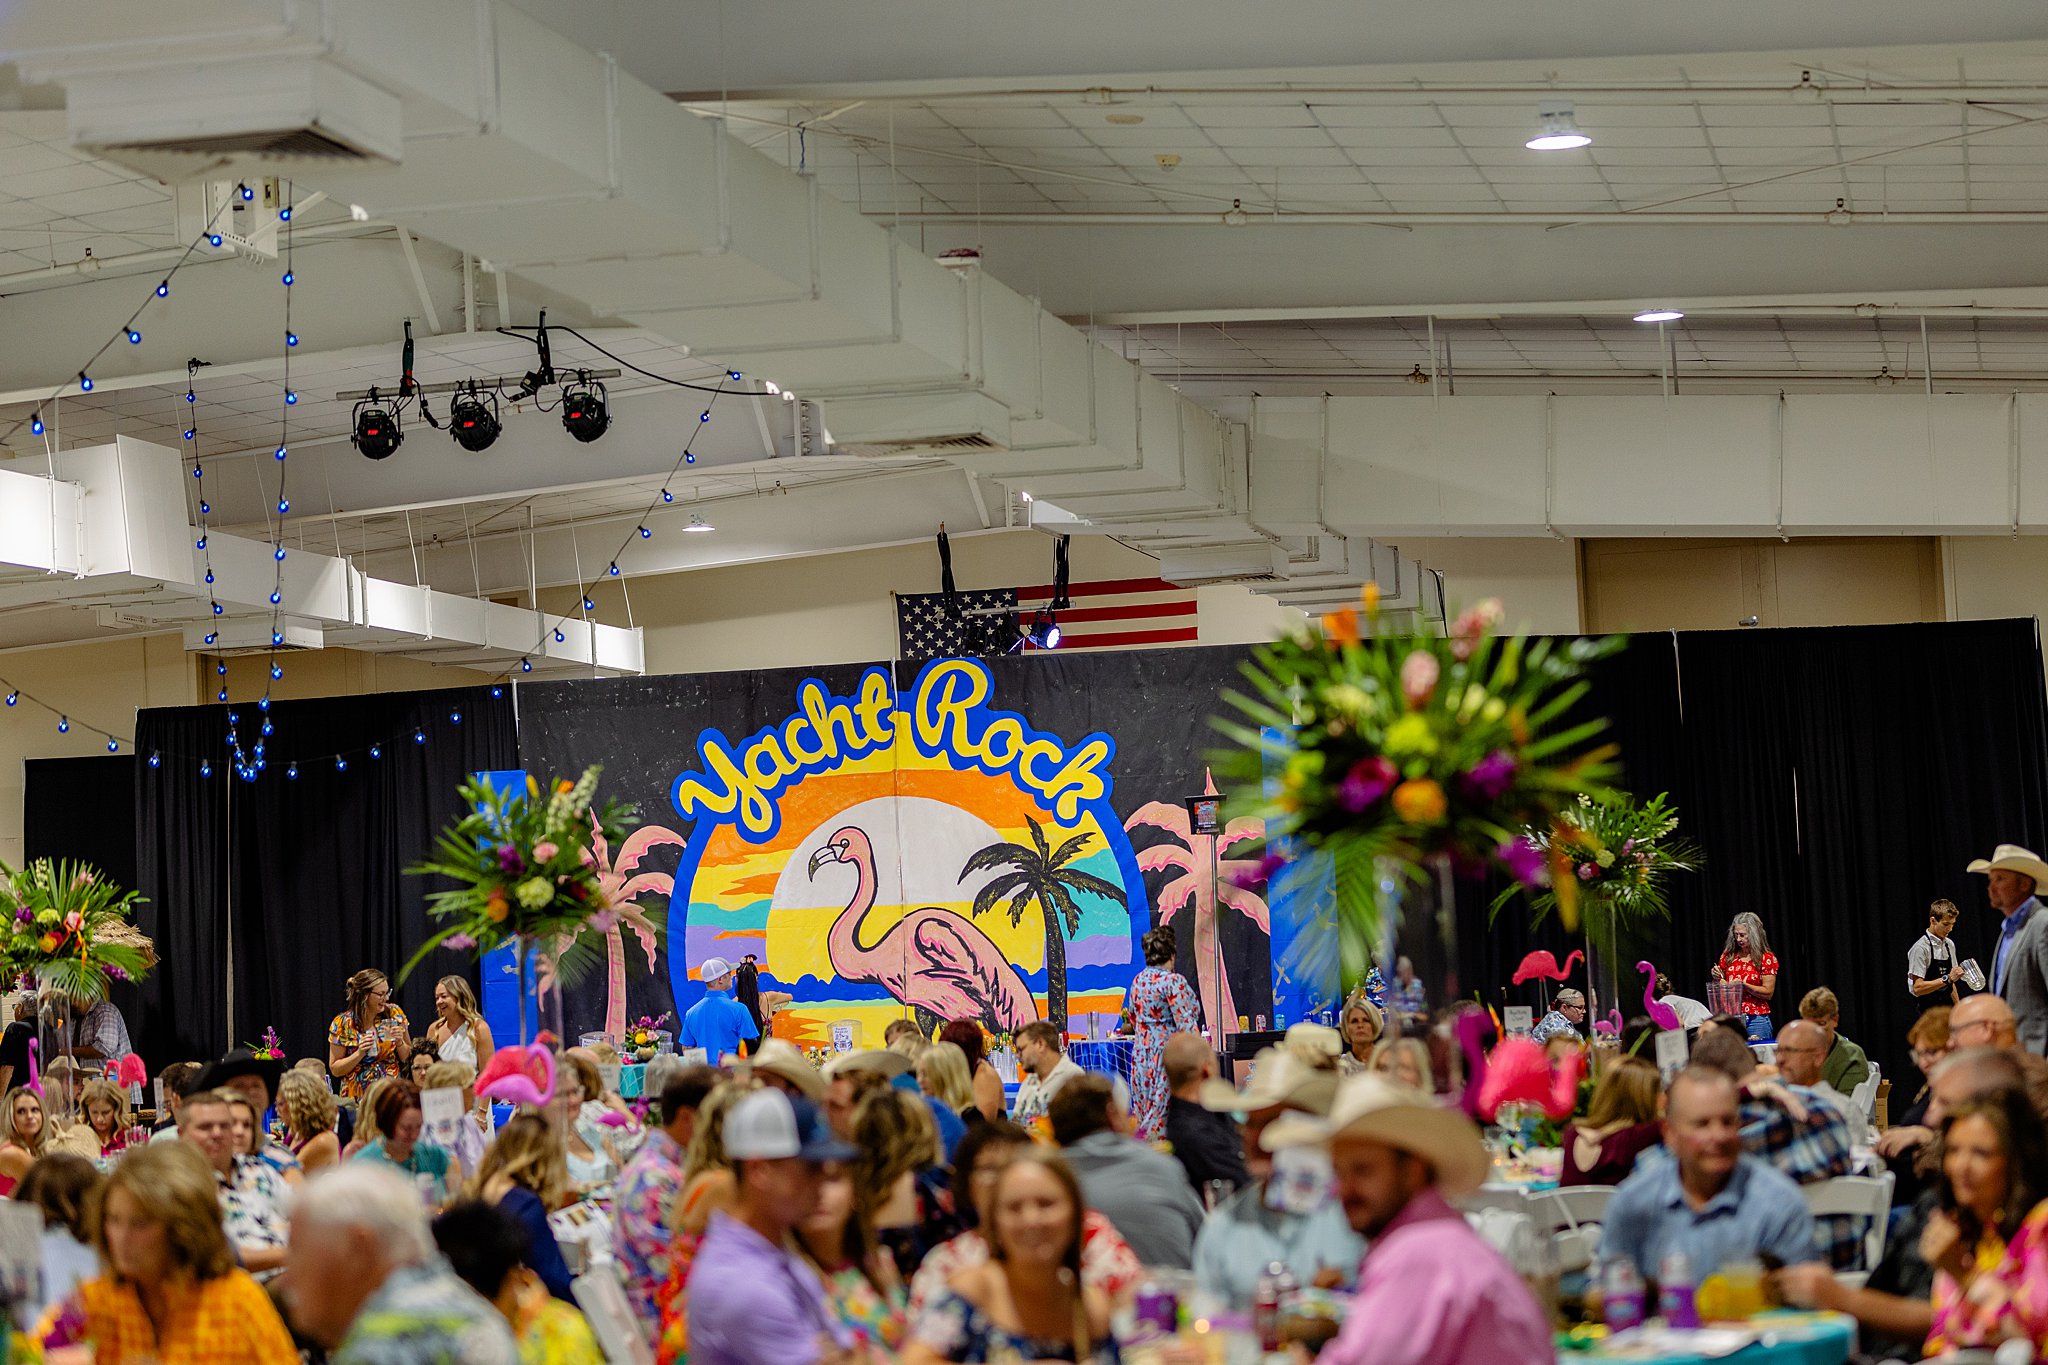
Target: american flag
{"x":1119,"y":612}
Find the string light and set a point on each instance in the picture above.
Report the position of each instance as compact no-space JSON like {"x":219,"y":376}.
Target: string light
{"x":63,"y":725}
{"x":156,"y":760}
{"x":84,"y":382}
{"x":134,"y":337}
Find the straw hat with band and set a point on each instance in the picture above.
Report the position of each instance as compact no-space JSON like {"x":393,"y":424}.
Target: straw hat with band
{"x":1279,"y":1078}
{"x":1372,"y":1107}
{"x":779,"y":1057}
{"x":2013,"y":858}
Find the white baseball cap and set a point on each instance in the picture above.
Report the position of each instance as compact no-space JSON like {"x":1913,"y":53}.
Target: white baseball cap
{"x":713,"y":969}
{"x":767,"y":1125}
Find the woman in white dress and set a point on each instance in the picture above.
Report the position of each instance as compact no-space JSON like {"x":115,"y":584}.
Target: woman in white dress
{"x":459,"y":1033}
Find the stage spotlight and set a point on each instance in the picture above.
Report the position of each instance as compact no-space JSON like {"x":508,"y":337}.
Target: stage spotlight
{"x":585,"y":413}
{"x":473,"y":419}
{"x":376,"y":434}
{"x":1043,"y":632}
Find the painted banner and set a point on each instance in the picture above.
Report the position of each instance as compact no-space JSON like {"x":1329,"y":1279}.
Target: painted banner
{"x":961,"y":838}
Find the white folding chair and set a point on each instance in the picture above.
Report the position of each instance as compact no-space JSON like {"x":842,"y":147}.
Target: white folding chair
{"x":603,"y":1301}
{"x":1861,"y":1196}
{"x":1506,"y":1198}
{"x":1863,"y":1099}
{"x":1570,"y":1206}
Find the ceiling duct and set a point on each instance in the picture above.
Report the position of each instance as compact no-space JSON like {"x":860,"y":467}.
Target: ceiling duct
{"x":236,"y":638}
{"x":1258,"y":561}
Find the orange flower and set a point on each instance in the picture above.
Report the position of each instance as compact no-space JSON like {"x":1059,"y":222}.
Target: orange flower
{"x":564,"y":786}
{"x":496,"y":907}
{"x":1420,"y":801}
{"x":1341,"y":627}
{"x":1370,"y":596}
{"x":48,"y":943}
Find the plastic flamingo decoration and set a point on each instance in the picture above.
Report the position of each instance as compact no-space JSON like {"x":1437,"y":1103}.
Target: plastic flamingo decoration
{"x":933,"y":960}
{"x":1661,"y":1014}
{"x":1541,"y":963}
{"x":1515,"y":1073}
{"x":519,"y":1075}
{"x":1610,"y":1027}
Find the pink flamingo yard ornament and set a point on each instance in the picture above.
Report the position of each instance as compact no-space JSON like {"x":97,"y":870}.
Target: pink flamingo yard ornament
{"x":932,"y":959}
{"x":1661,"y":1014}
{"x":1515,"y":1073}
{"x":1541,"y":964}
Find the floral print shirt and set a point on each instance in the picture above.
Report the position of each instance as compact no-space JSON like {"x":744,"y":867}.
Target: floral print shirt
{"x":1739,"y":967}
{"x":1107,"y":1263}
{"x":2008,"y":1293}
{"x":224,"y":1321}
{"x":641,"y":1203}
{"x":255,"y":1208}
{"x":553,"y":1333}
{"x":957,"y":1330}
{"x":423,"y":1315}
{"x":877,"y":1318}
{"x":344,"y":1034}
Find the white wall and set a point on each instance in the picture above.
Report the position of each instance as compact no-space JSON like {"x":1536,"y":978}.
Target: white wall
{"x":1536,"y":579}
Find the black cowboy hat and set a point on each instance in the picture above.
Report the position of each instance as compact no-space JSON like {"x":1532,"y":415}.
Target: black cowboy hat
{"x":242,"y":1062}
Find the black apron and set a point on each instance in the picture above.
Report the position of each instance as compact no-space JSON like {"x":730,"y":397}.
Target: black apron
{"x":1941,"y":959}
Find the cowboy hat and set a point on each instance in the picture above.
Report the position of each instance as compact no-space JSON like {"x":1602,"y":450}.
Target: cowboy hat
{"x":1372,"y":1107}
{"x":242,"y":1062}
{"x":1279,"y":1077}
{"x":779,"y":1057}
{"x":879,"y":1060}
{"x":2013,"y":858}
{"x":1316,"y":1044}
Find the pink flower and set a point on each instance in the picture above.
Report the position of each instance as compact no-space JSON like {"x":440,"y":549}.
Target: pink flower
{"x":458,"y":941}
{"x":544,"y":850}
{"x":73,"y":920}
{"x":604,"y":921}
{"x":1523,"y":860}
{"x":1473,"y":622}
{"x":1368,"y":780}
{"x":1587,"y":872}
{"x":1419,"y":672}
{"x":1491,"y":777}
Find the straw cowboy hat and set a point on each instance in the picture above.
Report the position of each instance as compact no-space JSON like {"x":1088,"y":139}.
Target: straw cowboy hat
{"x":1374,"y":1108}
{"x":779,"y":1057}
{"x":1279,"y":1077}
{"x":879,"y":1060}
{"x":2013,"y":858}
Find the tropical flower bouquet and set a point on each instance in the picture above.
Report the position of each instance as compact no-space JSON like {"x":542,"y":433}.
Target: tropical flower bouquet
{"x":647,"y":1037}
{"x":65,"y":928}
{"x":525,"y":873}
{"x":1391,"y":745}
{"x":270,"y":1049}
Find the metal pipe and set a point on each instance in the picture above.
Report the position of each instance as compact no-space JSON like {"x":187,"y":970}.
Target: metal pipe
{"x":1418,"y":92}
{"x":1367,"y":218}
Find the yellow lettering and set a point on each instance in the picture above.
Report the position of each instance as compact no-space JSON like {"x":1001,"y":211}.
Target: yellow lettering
{"x":823,"y":718}
{"x":877,"y":709}
{"x":1000,"y":743}
{"x":777,"y":765}
{"x":951,"y":689}
{"x":1078,"y":781}
{"x":736,"y":794}
{"x":805,"y":756}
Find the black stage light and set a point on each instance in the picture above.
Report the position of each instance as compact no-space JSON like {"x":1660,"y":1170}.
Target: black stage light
{"x":376,"y":433}
{"x":1043,"y":632}
{"x":473,"y":419}
{"x":585,"y":413}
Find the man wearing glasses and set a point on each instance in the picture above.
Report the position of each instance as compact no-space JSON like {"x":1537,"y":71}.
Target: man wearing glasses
{"x":1567,"y":1015}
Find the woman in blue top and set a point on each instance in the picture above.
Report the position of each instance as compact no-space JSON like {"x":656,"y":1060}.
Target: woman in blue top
{"x":399,"y":1120}
{"x":526,"y":1173}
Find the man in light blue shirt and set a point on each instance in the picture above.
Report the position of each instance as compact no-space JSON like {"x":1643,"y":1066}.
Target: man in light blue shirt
{"x":717,"y":1023}
{"x":1712,"y":1201}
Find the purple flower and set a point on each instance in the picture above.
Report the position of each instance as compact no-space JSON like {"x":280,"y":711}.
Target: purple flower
{"x":1368,"y":780}
{"x":24,"y":915}
{"x":1628,"y":845}
{"x":1587,"y":872}
{"x":1523,"y":860}
{"x":1490,"y":778}
{"x":115,"y":973}
{"x":509,"y":859}
{"x":1261,"y":871}
{"x":458,"y":941}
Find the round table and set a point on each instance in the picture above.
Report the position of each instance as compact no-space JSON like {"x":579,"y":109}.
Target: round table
{"x":1789,"y":1339}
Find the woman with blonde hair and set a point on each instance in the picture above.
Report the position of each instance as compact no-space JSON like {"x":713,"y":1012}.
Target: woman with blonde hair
{"x":107,"y":1116}
{"x":1361,"y":1024}
{"x":366,"y":1119}
{"x":592,"y":1160}
{"x":371,"y":1039}
{"x":459,"y":1033}
{"x":1405,"y":1061}
{"x":172,"y":1292}
{"x":708,"y":1188}
{"x":27,"y":1134}
{"x":309,"y":1112}
{"x":525,"y":1173}
{"x":1619,"y":1126}
{"x":942,"y":1073}
{"x":897,"y":1179}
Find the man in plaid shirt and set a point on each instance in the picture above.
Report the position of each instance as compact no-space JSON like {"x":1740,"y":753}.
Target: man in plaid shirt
{"x":1796,"y":1131}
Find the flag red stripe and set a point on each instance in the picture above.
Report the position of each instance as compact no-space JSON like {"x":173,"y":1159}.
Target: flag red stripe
{"x":1129,"y":637}
{"x":1107,"y":588}
{"x":1071,"y":615}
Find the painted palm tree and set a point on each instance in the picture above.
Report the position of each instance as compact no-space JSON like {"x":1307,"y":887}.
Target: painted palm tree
{"x":1188,"y":859}
{"x":1041,"y":873}
{"x":623,"y":884}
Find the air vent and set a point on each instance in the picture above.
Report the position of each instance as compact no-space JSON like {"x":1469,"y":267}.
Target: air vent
{"x":251,"y":635}
{"x":962,"y":444}
{"x":1252,"y":562}
{"x":281,"y":144}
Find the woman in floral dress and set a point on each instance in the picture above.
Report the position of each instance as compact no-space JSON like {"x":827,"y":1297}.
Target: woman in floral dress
{"x":370,"y":1040}
{"x":1162,"y":1004}
{"x":1988,"y":1240}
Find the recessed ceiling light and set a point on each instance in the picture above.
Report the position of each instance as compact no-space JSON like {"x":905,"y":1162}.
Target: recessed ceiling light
{"x":1660,"y":315}
{"x":1558,"y":130}
{"x":1125,"y":119}
{"x":698,"y":525}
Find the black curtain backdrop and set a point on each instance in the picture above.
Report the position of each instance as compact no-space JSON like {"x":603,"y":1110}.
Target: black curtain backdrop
{"x":301,"y":878}
{"x":84,"y":808}
{"x":1838,"y":779}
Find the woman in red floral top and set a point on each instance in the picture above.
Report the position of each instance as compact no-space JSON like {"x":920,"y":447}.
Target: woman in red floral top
{"x":1747,"y":958}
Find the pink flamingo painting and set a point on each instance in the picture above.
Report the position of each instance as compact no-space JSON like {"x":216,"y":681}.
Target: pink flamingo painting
{"x":933,"y":960}
{"x":1661,"y":1014}
{"x":1541,"y":963}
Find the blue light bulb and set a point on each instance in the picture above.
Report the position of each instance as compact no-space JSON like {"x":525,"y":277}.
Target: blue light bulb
{"x":287,"y":279}
{"x":455,"y":717}
{"x":84,"y":382}
{"x":276,"y":637}
{"x":419,"y":737}
{"x":213,"y":239}
{"x":113,"y":746}
{"x":589,"y":605}
{"x":280,"y":452}
{"x":291,"y":338}
{"x":614,"y":571}
{"x":209,"y":583}
{"x":267,"y":729}
{"x":376,"y":751}
{"x":559,"y":637}
{"x":205,"y":768}
{"x":13,"y":698}
{"x":276,"y":671}
{"x":156,"y":760}
{"x":218,"y":609}
{"x":645,"y":533}
{"x":199,"y":544}
{"x":292,"y":770}
{"x":667,"y":496}
{"x":497,"y":691}
{"x":525,"y":666}
{"x":163,"y":289}
{"x":284,"y":215}
{"x":134,"y":337}
{"x":704,"y":416}
{"x":63,"y":725}
{"x":191,"y":397}
{"x":280,"y":554}
{"x":688,"y":458}
{"x":222,"y":694}
{"x":277,"y":597}
{"x":341,"y":765}
{"x":205,"y":508}
{"x":290,"y":398}
{"x":733,"y":375}
{"x":263,"y":704}
{"x":36,"y":425}
{"x":247,"y":194}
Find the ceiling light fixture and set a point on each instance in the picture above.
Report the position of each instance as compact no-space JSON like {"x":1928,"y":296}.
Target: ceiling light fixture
{"x":1041,"y":632}
{"x":1416,"y":376}
{"x":698,"y":526}
{"x":585,"y":413}
{"x":1560,"y":132}
{"x":1659,"y":315}
{"x":376,"y":431}
{"x":1236,"y":217}
{"x":1124,"y":120}
{"x":473,"y":419}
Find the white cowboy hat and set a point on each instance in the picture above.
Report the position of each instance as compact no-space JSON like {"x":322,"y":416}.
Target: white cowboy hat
{"x":1278,"y":1077}
{"x":780,"y":1057}
{"x":1370,"y":1106}
{"x":2013,"y":858}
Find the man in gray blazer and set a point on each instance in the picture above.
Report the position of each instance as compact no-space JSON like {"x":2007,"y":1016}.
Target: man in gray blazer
{"x":2019,"y":965}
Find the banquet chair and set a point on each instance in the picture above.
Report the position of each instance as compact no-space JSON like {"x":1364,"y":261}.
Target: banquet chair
{"x":1506,"y":1198}
{"x":1862,"y":1196}
{"x":1863,"y":1099}
{"x":1572,"y":1216}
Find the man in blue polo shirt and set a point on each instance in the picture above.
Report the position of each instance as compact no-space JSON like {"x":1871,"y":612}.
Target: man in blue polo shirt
{"x":1710,"y":1200}
{"x":717,"y":1023}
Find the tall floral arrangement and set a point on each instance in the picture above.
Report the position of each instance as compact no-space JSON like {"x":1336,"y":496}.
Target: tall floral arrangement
{"x":67,"y":929}
{"x":520,"y":862}
{"x":1384,"y":743}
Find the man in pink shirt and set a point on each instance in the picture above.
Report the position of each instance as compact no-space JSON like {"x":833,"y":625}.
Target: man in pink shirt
{"x":1430,"y":1292}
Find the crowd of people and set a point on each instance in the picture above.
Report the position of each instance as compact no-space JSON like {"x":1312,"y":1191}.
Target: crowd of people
{"x":902,"y":1203}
